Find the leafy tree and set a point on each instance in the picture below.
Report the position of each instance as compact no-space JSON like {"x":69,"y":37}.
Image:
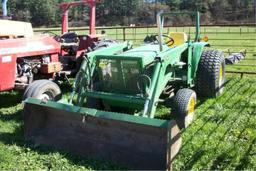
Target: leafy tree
{"x":125,"y":12}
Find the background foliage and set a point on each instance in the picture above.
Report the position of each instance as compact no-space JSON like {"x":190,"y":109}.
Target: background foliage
{"x":126,"y":12}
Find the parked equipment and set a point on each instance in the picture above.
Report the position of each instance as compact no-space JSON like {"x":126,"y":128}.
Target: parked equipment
{"x":25,"y":57}
{"x":111,"y":113}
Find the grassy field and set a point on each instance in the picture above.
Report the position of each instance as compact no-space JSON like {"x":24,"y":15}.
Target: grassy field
{"x":232,"y":39}
{"x":223,"y":137}
{"x":222,"y":38}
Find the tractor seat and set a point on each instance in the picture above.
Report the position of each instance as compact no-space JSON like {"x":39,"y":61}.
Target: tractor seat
{"x":178,"y":37}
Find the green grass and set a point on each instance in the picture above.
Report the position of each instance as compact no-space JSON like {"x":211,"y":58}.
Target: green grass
{"x":222,"y":38}
{"x":223,"y":137}
{"x":17,"y":154}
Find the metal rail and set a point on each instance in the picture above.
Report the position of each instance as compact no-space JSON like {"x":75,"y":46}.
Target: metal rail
{"x":244,"y":65}
{"x":242,"y":73}
{"x":128,"y":27}
{"x":135,"y":34}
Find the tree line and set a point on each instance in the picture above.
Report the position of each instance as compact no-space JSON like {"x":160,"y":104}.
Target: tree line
{"x":138,"y":12}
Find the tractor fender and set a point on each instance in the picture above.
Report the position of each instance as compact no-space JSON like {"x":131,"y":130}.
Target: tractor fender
{"x":198,"y":48}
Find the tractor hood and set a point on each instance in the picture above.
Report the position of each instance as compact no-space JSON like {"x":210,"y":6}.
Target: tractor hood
{"x":147,"y":52}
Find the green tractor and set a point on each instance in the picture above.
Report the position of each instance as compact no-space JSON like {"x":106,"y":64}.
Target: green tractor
{"x":110,"y":114}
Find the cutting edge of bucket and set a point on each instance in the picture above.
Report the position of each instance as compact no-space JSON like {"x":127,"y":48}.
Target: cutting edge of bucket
{"x":103,"y":114}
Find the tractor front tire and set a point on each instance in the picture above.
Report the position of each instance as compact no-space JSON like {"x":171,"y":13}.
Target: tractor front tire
{"x":210,"y":77}
{"x":184,"y":107}
{"x":44,"y":90}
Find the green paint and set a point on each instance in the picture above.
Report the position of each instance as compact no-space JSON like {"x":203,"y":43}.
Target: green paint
{"x":101,"y":114}
{"x":135,"y":78}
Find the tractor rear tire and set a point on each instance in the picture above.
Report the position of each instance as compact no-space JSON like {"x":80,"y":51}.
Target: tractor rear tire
{"x":44,"y":90}
{"x":184,"y":107}
{"x":210,"y":76}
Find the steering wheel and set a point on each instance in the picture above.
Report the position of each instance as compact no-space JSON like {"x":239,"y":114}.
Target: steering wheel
{"x":169,"y":42}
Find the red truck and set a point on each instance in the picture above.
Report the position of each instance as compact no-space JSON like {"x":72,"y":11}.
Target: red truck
{"x":25,"y":59}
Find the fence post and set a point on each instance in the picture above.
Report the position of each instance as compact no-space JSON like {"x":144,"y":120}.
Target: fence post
{"x":135,"y":38}
{"x":124,"y":39}
{"x":116,"y":34}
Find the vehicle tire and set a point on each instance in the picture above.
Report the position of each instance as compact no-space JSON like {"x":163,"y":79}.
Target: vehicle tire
{"x":210,"y":77}
{"x":44,"y":90}
{"x":29,"y":90}
{"x":184,"y":107}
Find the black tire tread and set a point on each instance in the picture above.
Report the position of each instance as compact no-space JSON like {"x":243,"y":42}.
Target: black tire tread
{"x":208,"y":73}
{"x":34,"y":89}
{"x":30,"y":89}
{"x":179,"y":110}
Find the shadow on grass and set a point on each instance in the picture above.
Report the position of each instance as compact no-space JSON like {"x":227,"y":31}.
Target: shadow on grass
{"x":199,"y":152}
{"x":222,"y":160}
{"x":10,"y":98}
{"x":17,"y":116}
{"x":201,"y":101}
{"x":17,"y":138}
{"x":244,"y":161}
{"x":210,"y":106}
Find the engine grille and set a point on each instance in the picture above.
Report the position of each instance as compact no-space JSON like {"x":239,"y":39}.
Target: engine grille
{"x":119,"y":76}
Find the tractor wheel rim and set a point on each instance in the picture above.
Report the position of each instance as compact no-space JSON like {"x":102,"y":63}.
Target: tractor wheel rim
{"x":191,"y":106}
{"x":220,"y":75}
{"x":191,"y":112}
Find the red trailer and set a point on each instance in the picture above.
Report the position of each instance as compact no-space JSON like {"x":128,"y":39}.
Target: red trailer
{"x":23,"y":60}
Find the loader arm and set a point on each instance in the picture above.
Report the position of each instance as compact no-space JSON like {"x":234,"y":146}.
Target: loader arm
{"x":167,"y":59}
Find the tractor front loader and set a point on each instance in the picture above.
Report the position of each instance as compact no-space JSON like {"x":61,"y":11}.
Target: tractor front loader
{"x":111,"y":112}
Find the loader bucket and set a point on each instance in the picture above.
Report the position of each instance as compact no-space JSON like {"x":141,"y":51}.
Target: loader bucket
{"x":130,"y":141}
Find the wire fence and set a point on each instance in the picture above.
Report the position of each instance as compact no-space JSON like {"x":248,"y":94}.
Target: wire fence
{"x":228,"y":38}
